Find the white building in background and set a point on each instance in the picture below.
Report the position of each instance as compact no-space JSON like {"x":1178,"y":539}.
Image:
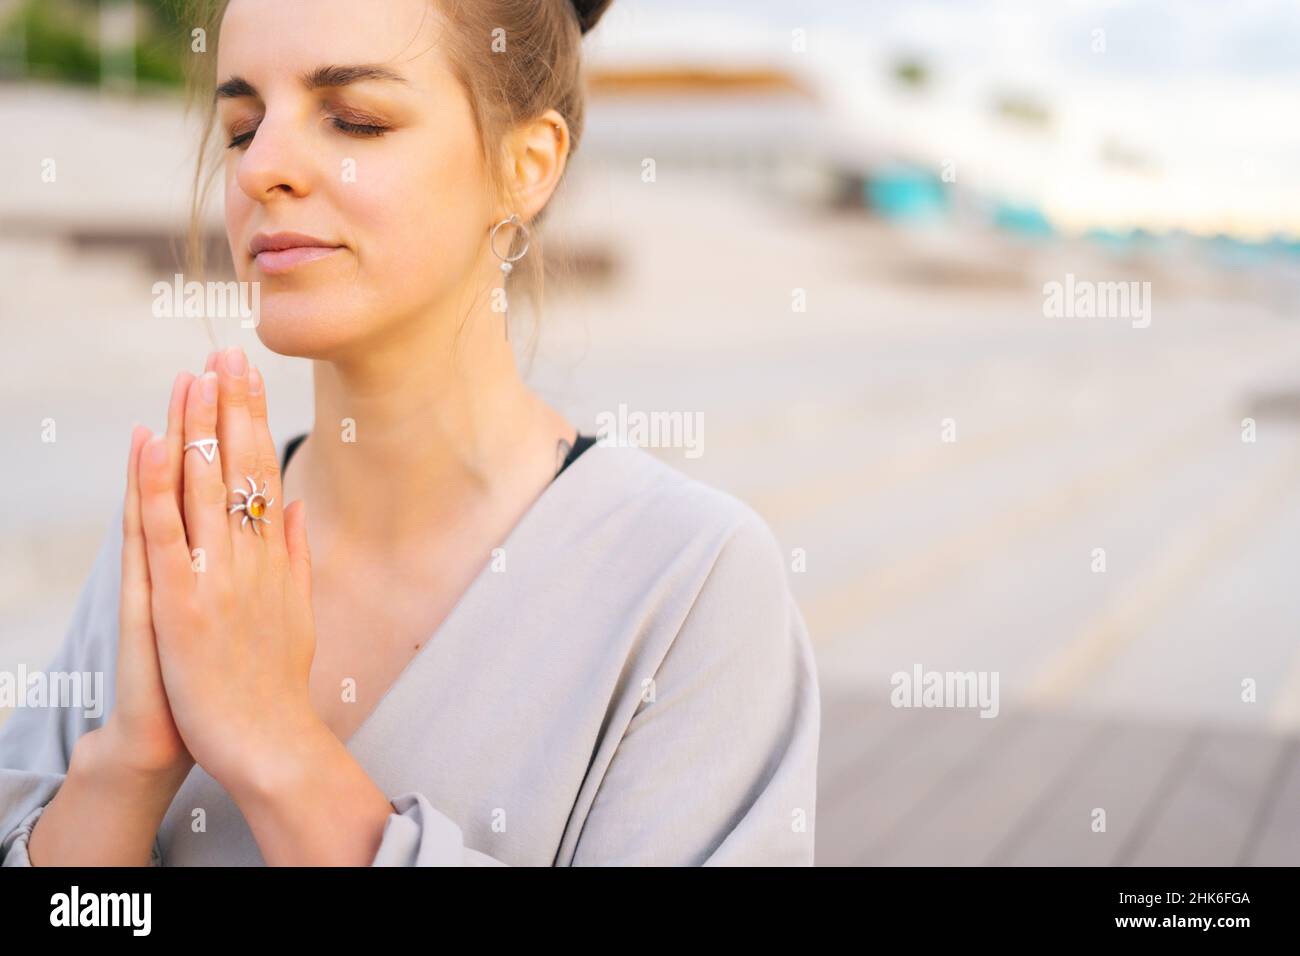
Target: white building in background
{"x":754,"y":126}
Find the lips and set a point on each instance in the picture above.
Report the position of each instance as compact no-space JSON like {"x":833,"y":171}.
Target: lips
{"x":277,"y":253}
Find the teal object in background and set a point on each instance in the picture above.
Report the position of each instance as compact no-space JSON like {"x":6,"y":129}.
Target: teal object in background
{"x":907,"y":194}
{"x":1022,"y":220}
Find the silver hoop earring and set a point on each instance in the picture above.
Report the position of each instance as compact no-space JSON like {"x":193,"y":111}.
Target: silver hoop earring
{"x":508,"y":261}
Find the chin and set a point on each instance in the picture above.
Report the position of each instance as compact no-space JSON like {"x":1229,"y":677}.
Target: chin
{"x":305,"y":325}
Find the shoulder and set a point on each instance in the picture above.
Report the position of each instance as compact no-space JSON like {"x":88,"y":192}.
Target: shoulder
{"x":702,"y":557}
{"x":658,"y":503}
{"x":733,"y":656}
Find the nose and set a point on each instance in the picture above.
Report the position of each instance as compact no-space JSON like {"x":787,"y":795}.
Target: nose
{"x":276,"y":161}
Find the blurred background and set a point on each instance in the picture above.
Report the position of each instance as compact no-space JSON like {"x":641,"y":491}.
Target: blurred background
{"x":830,"y":234}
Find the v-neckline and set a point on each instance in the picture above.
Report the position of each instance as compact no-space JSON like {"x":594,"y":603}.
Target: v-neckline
{"x":528,"y":518}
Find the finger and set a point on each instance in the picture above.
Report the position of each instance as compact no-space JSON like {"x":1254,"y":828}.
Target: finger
{"x":267,"y":457}
{"x":205,"y":491}
{"x":295,"y":536}
{"x":135,"y":618}
{"x":164,"y":533}
{"x":211,"y":364}
{"x":176,"y":428}
{"x":251,"y":480}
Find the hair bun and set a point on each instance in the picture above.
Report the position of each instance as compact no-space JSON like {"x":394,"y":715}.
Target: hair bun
{"x":589,"y":12}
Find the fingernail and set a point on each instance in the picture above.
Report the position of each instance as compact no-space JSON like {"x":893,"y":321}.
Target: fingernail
{"x":157,"y":450}
{"x":236,"y":364}
{"x":208,"y":388}
{"x":254,"y":381}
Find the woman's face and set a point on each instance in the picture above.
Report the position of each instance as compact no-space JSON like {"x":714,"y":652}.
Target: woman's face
{"x":348,"y":129}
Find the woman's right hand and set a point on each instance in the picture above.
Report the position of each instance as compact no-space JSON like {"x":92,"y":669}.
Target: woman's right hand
{"x":139,"y":730}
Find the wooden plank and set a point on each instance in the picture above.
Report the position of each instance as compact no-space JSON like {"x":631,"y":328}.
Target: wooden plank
{"x":1208,"y":817}
{"x":842,"y":807}
{"x":854,"y":727}
{"x":871,"y":804}
{"x":1122,"y":777}
{"x":981,"y":802}
{"x":1276,"y":842}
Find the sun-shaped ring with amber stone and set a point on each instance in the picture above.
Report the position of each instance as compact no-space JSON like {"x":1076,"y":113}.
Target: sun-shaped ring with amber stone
{"x":254,"y":505}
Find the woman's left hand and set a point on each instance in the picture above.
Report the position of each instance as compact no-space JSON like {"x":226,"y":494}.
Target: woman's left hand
{"x":231,"y":606}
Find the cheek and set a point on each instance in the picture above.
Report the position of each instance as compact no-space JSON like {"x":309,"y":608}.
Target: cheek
{"x":418,"y":215}
{"x":238,"y":212}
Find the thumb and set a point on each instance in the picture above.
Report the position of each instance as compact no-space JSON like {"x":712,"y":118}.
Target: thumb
{"x":295,"y":536}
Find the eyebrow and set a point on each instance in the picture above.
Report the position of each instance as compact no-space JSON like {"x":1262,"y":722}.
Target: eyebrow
{"x":322,"y":76}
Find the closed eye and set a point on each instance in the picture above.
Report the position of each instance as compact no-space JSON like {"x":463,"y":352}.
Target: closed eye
{"x":358,"y":129}
{"x":344,"y":126}
{"x":241,"y":139}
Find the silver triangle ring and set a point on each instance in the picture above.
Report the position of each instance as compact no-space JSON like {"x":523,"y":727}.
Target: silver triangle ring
{"x":207,"y":448}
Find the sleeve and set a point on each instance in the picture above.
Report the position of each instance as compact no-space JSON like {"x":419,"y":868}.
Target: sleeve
{"x":420,"y":835}
{"x":36,"y":742}
{"x":718,"y":765}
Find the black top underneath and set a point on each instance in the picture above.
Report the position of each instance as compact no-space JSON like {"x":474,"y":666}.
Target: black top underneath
{"x":582,"y":443}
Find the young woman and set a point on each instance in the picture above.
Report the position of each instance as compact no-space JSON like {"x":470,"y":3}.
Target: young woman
{"x":509,"y":644}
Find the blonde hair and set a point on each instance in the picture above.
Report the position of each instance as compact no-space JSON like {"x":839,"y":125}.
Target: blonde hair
{"x":540,"y":69}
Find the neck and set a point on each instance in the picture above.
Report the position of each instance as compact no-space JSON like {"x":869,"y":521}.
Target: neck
{"x":420,"y":434}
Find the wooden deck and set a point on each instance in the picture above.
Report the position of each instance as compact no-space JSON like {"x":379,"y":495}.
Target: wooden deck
{"x":944,"y":787}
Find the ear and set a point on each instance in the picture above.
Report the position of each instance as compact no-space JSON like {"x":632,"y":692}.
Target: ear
{"x":536,"y":154}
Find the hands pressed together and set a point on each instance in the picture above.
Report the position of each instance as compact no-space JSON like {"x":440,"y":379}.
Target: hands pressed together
{"x":224,"y":597}
{"x":216,"y":642}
